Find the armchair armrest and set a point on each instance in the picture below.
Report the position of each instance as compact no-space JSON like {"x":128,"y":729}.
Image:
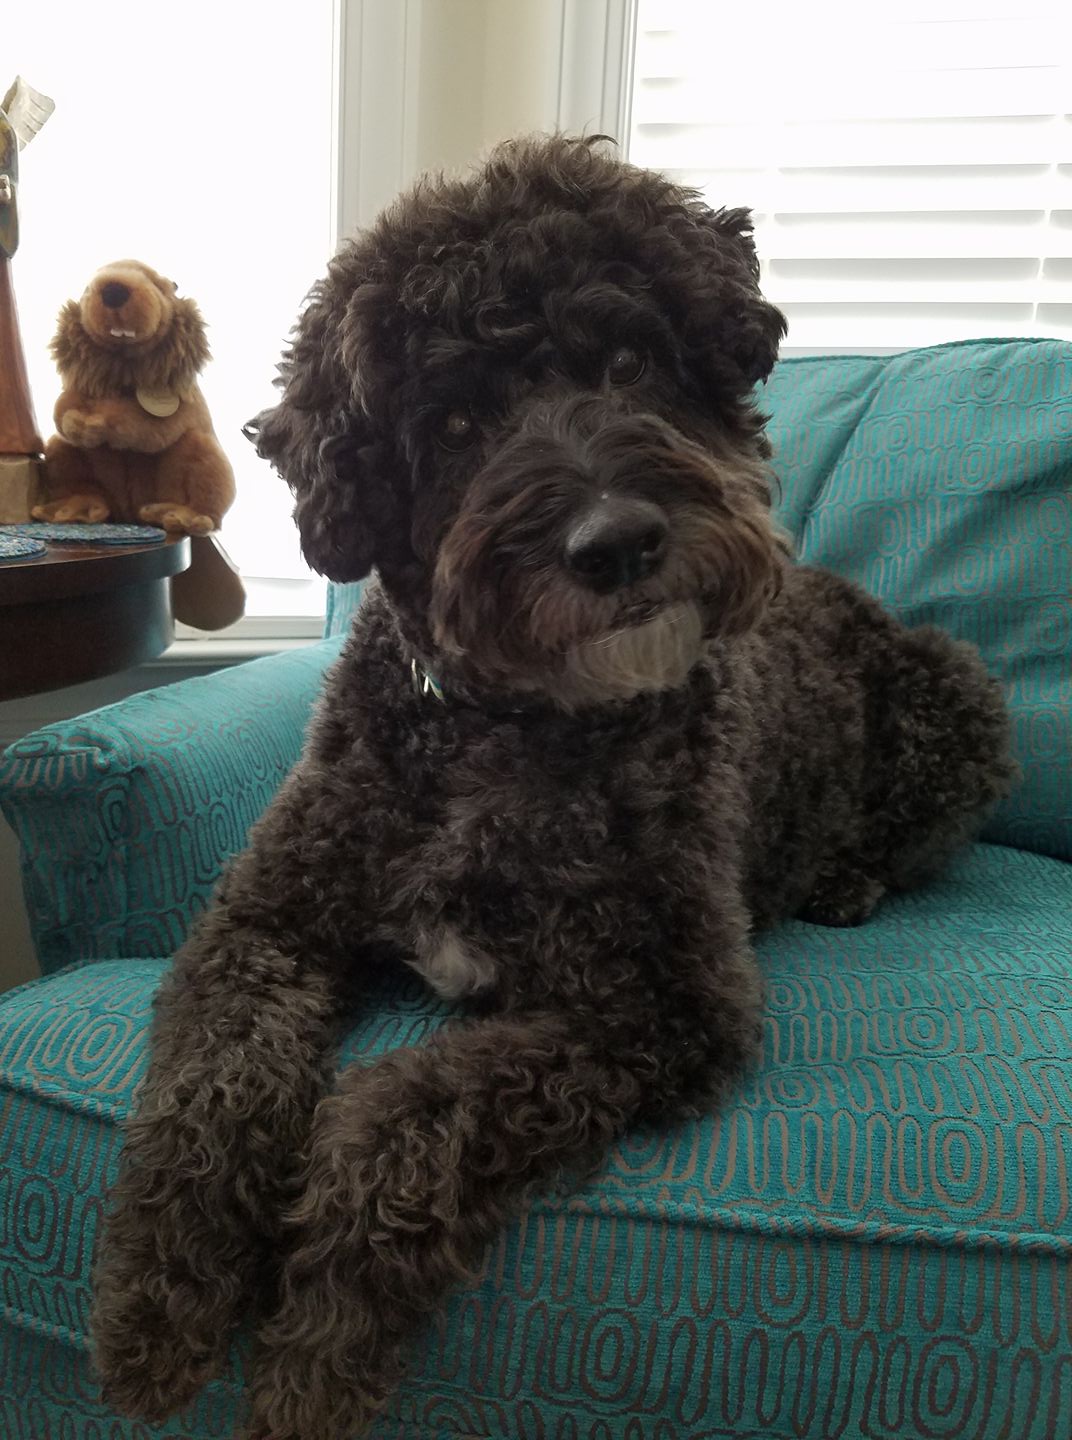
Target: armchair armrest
{"x":126,"y":816}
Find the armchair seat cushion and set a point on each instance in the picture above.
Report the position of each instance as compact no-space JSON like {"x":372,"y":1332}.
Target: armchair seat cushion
{"x":873,"y":1239}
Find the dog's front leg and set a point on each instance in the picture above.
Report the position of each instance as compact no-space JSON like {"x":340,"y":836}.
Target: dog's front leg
{"x":240,"y":1046}
{"x":418,"y":1161}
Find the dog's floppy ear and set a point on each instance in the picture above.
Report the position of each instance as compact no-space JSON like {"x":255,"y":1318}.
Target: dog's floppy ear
{"x":750,"y":328}
{"x":320,"y":441}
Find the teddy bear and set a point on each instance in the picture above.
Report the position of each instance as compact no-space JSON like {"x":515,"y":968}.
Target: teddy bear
{"x":135,"y":441}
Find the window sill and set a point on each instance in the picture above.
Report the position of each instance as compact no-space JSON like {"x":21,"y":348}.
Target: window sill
{"x":209,"y":651}
{"x":247,"y":639}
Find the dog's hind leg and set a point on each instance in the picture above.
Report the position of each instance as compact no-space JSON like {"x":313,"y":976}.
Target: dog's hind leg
{"x":941,"y":754}
{"x":937,"y":760}
{"x":844,"y":894}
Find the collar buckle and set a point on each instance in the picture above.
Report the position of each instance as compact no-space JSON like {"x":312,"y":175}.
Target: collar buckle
{"x":425,"y":684}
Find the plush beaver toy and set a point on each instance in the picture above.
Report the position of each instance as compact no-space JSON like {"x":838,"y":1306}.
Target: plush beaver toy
{"x":135,"y":440}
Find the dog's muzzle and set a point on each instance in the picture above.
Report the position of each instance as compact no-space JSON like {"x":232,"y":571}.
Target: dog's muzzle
{"x":595,"y":552}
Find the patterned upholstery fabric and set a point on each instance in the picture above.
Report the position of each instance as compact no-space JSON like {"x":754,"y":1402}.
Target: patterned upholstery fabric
{"x":343,"y":600}
{"x":872,"y":1240}
{"x":126,"y":815}
{"x":941,"y":481}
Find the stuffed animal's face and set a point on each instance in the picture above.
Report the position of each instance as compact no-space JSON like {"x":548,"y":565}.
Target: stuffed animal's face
{"x":128,"y":329}
{"x":528,"y":399}
{"x":127,"y":305}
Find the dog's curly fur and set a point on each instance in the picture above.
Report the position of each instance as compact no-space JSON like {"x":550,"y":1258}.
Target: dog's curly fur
{"x":620,"y":783}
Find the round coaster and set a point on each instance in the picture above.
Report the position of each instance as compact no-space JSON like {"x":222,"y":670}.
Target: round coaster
{"x":16,"y":547}
{"x":87,"y":534}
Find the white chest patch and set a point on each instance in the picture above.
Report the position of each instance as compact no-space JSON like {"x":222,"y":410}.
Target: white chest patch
{"x":450,"y":966}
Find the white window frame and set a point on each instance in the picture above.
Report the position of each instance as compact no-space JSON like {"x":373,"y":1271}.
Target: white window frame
{"x":375,"y":102}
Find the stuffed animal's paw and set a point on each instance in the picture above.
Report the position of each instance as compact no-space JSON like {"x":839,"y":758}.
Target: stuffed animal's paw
{"x":179,"y":519}
{"x":81,"y":509}
{"x":88,"y":432}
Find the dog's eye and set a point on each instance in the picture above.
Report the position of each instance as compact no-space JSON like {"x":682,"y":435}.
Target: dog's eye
{"x":456,"y":430}
{"x":625,"y":366}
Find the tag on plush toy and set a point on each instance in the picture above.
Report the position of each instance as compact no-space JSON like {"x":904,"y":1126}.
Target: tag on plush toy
{"x":157,"y":402}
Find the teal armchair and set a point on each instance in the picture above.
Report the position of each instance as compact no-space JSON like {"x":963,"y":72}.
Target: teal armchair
{"x":873,"y":1238}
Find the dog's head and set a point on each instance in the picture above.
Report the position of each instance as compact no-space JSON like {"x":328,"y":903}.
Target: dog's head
{"x":526,"y":398}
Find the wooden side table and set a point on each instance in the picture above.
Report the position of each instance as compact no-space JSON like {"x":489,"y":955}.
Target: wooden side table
{"x":83,"y":611}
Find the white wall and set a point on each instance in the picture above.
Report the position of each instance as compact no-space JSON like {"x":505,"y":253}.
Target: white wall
{"x":487,"y":69}
{"x":432,"y":84}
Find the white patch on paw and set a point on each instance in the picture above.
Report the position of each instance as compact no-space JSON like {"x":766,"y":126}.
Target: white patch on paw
{"x":450,"y":966}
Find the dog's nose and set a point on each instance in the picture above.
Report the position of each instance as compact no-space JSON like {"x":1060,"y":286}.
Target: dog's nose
{"x":618,"y":542}
{"x":114,"y":295}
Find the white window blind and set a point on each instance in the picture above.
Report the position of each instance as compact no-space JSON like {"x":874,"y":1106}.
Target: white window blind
{"x":910,"y":166}
{"x":199,"y":139}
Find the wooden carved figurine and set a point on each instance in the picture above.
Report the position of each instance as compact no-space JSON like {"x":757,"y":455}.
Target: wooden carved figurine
{"x":22,"y":113}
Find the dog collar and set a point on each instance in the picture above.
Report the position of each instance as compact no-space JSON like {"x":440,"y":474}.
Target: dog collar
{"x":425,"y":684}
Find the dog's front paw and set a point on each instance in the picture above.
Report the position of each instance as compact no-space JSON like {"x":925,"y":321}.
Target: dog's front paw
{"x":162,"y":1317}
{"x":319,"y":1391}
{"x":147,"y":1371}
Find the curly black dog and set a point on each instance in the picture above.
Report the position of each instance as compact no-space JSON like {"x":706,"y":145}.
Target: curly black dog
{"x":590,"y":731}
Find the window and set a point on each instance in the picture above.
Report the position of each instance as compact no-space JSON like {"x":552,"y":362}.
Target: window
{"x":910,"y":167}
{"x":203,"y":145}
